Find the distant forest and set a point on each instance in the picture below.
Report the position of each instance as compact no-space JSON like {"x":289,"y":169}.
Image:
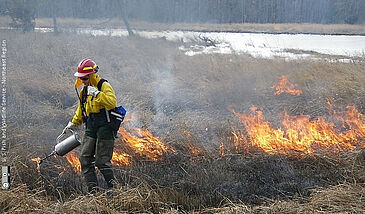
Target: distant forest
{"x":197,"y":11}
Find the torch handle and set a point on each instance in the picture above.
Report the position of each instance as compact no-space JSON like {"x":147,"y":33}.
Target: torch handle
{"x":62,"y":134}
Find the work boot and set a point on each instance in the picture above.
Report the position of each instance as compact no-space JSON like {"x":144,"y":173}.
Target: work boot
{"x":108,"y":176}
{"x":91,"y":182}
{"x":110,"y":180}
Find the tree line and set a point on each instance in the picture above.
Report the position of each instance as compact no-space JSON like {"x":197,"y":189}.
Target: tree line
{"x":195,"y":11}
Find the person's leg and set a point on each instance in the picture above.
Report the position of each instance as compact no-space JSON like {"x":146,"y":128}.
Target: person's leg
{"x":87,"y":158}
{"x":104,"y":153}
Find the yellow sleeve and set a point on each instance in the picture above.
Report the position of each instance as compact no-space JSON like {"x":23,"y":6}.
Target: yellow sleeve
{"x":77,"y":119}
{"x":106,"y":97}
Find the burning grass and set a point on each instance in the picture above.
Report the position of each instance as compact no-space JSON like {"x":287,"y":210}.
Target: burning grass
{"x":285,"y":86}
{"x":300,"y":134}
{"x":194,"y":143}
{"x":265,"y":183}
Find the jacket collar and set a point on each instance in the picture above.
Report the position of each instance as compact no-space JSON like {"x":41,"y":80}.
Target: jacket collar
{"x":94,"y":79}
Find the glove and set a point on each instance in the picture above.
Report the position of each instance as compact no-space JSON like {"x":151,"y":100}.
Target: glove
{"x":92,"y":91}
{"x":70,"y":125}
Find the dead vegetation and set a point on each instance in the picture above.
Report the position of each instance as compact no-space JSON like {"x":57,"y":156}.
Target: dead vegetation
{"x":312,"y":28}
{"x":159,"y":196}
{"x":172,"y":94}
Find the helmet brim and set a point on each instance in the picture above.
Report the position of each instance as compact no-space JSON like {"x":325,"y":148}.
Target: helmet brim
{"x":77,"y":74}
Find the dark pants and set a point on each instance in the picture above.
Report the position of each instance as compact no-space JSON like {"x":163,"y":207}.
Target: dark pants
{"x":97,"y":150}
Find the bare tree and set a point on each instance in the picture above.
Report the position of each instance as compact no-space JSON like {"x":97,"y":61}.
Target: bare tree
{"x":123,"y":10}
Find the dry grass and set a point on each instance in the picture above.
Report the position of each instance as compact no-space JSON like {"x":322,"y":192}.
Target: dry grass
{"x":237,"y":27}
{"x":341,"y":198}
{"x":171,"y":93}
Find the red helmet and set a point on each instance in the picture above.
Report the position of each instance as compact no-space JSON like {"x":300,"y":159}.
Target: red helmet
{"x":86,"y":67}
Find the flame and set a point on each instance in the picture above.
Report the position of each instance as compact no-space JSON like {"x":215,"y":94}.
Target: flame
{"x":221,"y":149}
{"x":74,"y":161}
{"x":121,"y":159}
{"x":194,"y":151}
{"x":142,"y":143}
{"x":284,"y":86}
{"x":118,"y":159}
{"x":38,"y":160}
{"x":300,"y":134}
{"x":237,"y":143}
{"x":145,"y":145}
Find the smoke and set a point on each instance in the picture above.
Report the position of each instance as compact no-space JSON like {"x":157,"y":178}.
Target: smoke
{"x":164,"y":95}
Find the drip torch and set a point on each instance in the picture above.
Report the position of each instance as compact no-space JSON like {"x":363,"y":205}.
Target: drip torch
{"x":65,"y":146}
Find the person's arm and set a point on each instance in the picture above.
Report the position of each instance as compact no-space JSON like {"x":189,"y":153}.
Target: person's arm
{"x":106,"y":97}
{"x":77,"y":119}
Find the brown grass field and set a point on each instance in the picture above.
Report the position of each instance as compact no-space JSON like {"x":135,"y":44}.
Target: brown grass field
{"x":172,"y":94}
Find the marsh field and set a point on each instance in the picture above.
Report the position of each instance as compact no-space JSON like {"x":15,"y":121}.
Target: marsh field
{"x":227,"y":141}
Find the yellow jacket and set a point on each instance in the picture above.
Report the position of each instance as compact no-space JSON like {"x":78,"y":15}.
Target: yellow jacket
{"x":105,"y":99}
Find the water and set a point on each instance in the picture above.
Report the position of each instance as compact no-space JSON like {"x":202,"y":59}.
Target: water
{"x":289,"y":46}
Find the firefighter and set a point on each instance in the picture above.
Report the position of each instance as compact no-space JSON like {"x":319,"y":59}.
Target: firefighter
{"x":98,"y":142}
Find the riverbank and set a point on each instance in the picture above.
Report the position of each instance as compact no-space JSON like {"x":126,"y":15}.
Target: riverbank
{"x":306,"y":28}
{"x":277,"y":28}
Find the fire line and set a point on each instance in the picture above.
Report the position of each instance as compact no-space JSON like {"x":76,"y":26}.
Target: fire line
{"x":299,"y":134}
{"x":284,"y":86}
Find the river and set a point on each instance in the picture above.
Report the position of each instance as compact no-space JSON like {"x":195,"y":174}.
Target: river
{"x":346,"y":48}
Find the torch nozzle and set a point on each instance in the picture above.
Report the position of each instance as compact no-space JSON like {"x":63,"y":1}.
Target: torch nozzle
{"x":51,"y":154}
